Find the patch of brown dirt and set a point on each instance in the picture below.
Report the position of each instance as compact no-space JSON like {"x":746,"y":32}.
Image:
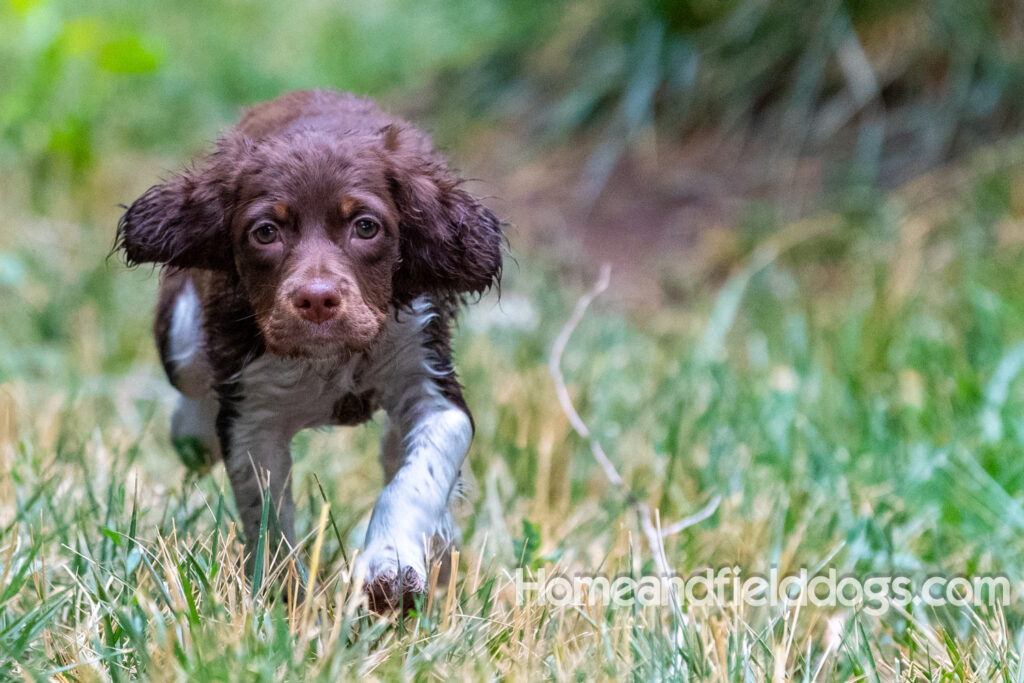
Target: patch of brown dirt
{"x":663,"y":209}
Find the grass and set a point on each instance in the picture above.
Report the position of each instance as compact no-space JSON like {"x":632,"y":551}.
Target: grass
{"x":851,"y":392}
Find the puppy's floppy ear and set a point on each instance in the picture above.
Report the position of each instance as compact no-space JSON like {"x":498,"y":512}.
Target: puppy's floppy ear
{"x":450,"y":242}
{"x":185,"y":222}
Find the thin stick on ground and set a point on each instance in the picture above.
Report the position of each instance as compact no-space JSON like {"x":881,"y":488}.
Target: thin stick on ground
{"x":643,"y":510}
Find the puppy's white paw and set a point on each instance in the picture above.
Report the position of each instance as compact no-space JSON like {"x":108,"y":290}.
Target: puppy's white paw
{"x":390,"y":591}
{"x":392,"y":576}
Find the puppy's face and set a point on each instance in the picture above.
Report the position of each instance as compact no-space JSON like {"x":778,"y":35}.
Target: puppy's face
{"x":315,"y":238}
{"x":322,"y":230}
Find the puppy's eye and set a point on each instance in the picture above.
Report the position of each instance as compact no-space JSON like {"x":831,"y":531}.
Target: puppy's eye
{"x":367,"y":228}
{"x":265,"y":233}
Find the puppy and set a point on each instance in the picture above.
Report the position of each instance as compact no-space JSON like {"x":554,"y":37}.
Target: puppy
{"x":312,"y":265}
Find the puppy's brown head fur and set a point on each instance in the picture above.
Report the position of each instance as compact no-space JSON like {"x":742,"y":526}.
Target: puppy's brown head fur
{"x":327,"y":211}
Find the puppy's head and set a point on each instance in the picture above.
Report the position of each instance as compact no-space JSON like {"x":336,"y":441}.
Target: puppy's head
{"x":322,"y":231}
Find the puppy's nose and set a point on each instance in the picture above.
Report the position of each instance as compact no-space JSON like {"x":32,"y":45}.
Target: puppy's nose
{"x":317,"y":301}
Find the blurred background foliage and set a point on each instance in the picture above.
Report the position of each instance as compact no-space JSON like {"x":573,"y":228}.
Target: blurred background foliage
{"x":908,"y":81}
{"x":78,"y":77}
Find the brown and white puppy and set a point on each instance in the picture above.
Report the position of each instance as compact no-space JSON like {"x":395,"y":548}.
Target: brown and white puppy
{"x":312,"y":265}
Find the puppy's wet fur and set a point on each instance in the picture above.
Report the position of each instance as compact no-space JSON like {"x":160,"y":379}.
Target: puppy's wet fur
{"x":313,"y":264}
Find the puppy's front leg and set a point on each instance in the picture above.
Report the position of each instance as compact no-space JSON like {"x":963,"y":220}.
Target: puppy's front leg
{"x":257,"y":457}
{"x":422,"y":452}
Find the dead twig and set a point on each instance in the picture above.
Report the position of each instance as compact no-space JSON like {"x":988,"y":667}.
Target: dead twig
{"x":695,"y":518}
{"x":647,"y":521}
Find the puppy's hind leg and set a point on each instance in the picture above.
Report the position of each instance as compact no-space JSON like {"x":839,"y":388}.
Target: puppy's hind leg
{"x":179,"y":333}
{"x":194,"y":432}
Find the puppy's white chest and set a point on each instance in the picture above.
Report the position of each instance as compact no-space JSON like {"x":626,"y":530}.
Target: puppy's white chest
{"x":297,"y":393}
